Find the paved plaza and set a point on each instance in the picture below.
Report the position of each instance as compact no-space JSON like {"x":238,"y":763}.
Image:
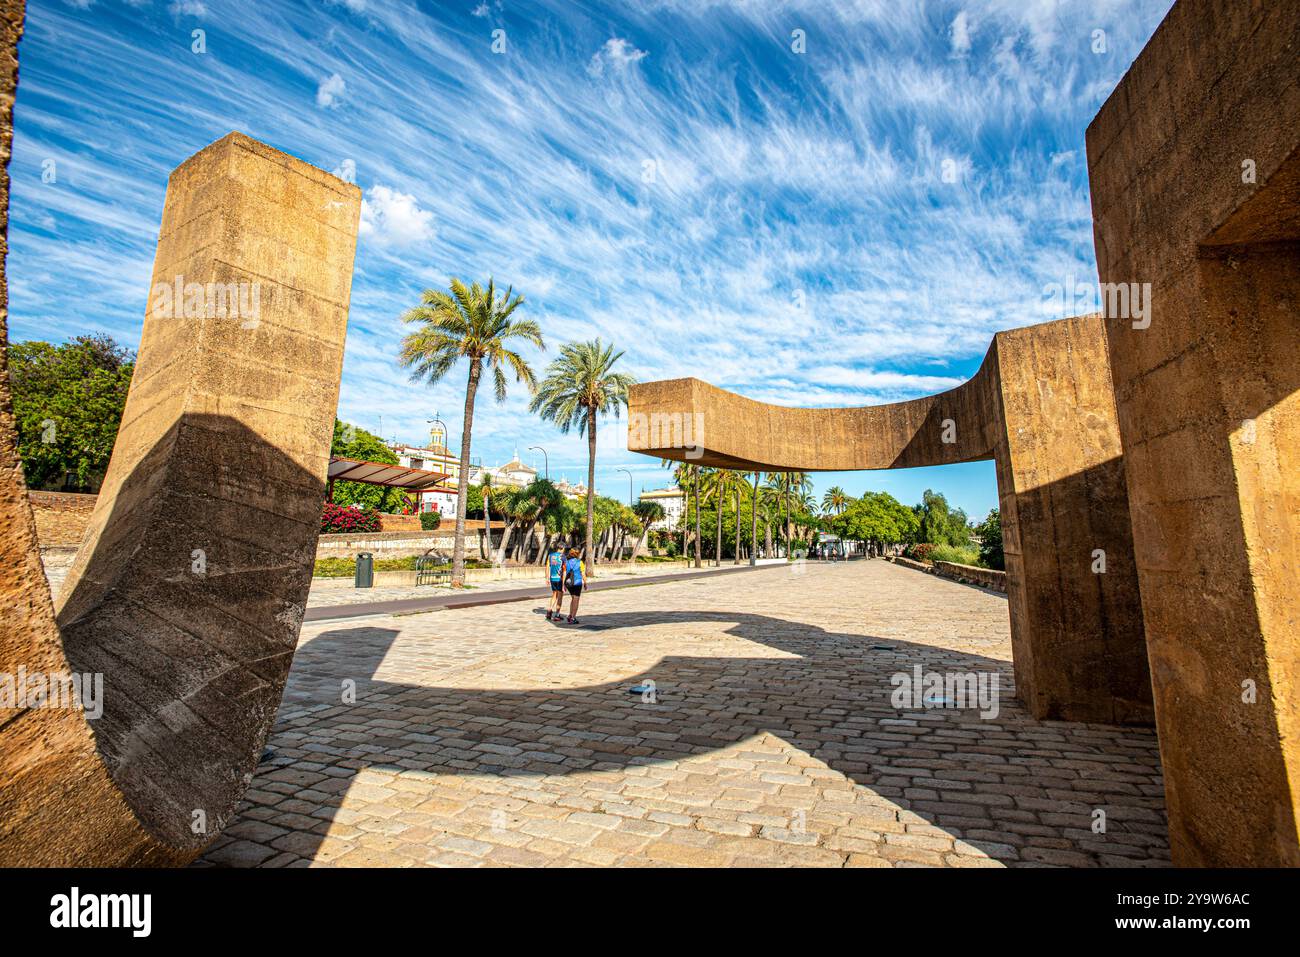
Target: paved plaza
{"x":489,"y":737}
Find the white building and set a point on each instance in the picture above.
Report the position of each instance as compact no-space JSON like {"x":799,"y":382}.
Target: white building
{"x":514,"y":474}
{"x":674,"y":502}
{"x":438,"y":458}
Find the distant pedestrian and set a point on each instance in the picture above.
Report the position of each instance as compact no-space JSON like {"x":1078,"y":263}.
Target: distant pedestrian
{"x":573,"y":571}
{"x":555,"y":566}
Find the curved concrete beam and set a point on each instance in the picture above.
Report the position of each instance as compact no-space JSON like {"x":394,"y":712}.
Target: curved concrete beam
{"x":188,"y":592}
{"x":690,"y":420}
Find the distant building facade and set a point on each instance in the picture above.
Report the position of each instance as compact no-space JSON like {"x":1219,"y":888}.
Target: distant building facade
{"x":438,"y":458}
{"x":674,"y":502}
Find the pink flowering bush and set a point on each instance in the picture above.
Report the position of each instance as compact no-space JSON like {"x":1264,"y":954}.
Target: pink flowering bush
{"x":336,"y":519}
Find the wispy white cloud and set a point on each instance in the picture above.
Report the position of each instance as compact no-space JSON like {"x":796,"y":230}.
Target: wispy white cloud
{"x":672,"y":177}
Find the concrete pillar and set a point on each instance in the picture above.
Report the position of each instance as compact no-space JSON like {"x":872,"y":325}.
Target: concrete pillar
{"x":1195,"y":169}
{"x":189,"y":591}
{"x":1076,"y":617}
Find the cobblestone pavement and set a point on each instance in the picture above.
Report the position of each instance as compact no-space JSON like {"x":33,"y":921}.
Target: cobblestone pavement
{"x":487,"y":736}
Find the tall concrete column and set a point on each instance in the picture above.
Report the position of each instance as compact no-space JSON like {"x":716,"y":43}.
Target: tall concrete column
{"x":189,"y":590}
{"x":1076,"y":617}
{"x":1195,"y":169}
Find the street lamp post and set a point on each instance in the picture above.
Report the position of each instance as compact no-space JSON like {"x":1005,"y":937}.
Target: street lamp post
{"x":546,"y":459}
{"x":629,"y":493}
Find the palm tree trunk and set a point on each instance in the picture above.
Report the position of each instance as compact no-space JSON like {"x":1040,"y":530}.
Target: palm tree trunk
{"x":735,"y":558}
{"x":721,"y":499}
{"x":591,"y":488}
{"x":695,"y":490}
{"x":640,"y":543}
{"x":789,"y":530}
{"x":685,"y":533}
{"x":462,"y":482}
{"x":753,"y":524}
{"x":509,"y":530}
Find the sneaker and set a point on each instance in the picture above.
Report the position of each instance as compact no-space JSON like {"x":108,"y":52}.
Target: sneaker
{"x":549,"y":613}
{"x":574,"y":621}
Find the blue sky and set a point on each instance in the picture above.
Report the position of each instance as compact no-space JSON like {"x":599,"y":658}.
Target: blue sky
{"x":843,"y":225}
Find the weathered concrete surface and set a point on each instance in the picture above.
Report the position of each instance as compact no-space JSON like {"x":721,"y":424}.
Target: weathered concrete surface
{"x":189,"y":590}
{"x":1041,"y":406}
{"x":1195,"y":169}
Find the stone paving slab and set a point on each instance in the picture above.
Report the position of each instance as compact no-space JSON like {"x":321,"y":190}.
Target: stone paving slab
{"x":487,"y":737}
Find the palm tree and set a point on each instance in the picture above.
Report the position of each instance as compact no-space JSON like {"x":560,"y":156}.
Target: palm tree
{"x":753,"y":522}
{"x":485,"y":538}
{"x":736,"y":484}
{"x":835,"y":500}
{"x":580,"y":386}
{"x":681,"y":474}
{"x":467,"y":323}
{"x":719,"y":484}
{"x":647,"y":514}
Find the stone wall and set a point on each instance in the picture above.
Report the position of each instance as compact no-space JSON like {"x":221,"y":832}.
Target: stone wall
{"x":973,"y":575}
{"x":61,"y":517}
{"x":399,"y":544}
{"x":989,"y":578}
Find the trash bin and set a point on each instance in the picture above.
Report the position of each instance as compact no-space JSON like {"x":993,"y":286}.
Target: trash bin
{"x":365,"y":577}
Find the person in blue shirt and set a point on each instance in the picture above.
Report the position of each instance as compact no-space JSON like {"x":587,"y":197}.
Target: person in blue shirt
{"x":573,"y":570}
{"x":555,"y":565}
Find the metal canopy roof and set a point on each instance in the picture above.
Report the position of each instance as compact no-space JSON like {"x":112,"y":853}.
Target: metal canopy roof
{"x":378,"y":473}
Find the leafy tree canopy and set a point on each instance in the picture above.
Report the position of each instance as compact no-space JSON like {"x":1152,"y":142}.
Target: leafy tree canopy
{"x":68,"y":402}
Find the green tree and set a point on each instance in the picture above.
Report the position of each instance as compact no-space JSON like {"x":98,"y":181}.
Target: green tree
{"x":68,"y":402}
{"x":474,"y":324}
{"x":579,"y":387}
{"x":940,"y":524}
{"x":990,"y":533}
{"x":876,"y":518}
{"x":353,"y":443}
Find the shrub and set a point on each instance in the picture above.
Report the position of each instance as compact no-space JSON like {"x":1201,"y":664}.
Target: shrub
{"x":919,"y":552}
{"x":429,"y":521}
{"x":990,"y":533}
{"x":954,"y":553}
{"x":337,"y":519}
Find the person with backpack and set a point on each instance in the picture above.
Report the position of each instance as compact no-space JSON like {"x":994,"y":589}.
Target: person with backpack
{"x":555,"y":565}
{"x":573,"y":570}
